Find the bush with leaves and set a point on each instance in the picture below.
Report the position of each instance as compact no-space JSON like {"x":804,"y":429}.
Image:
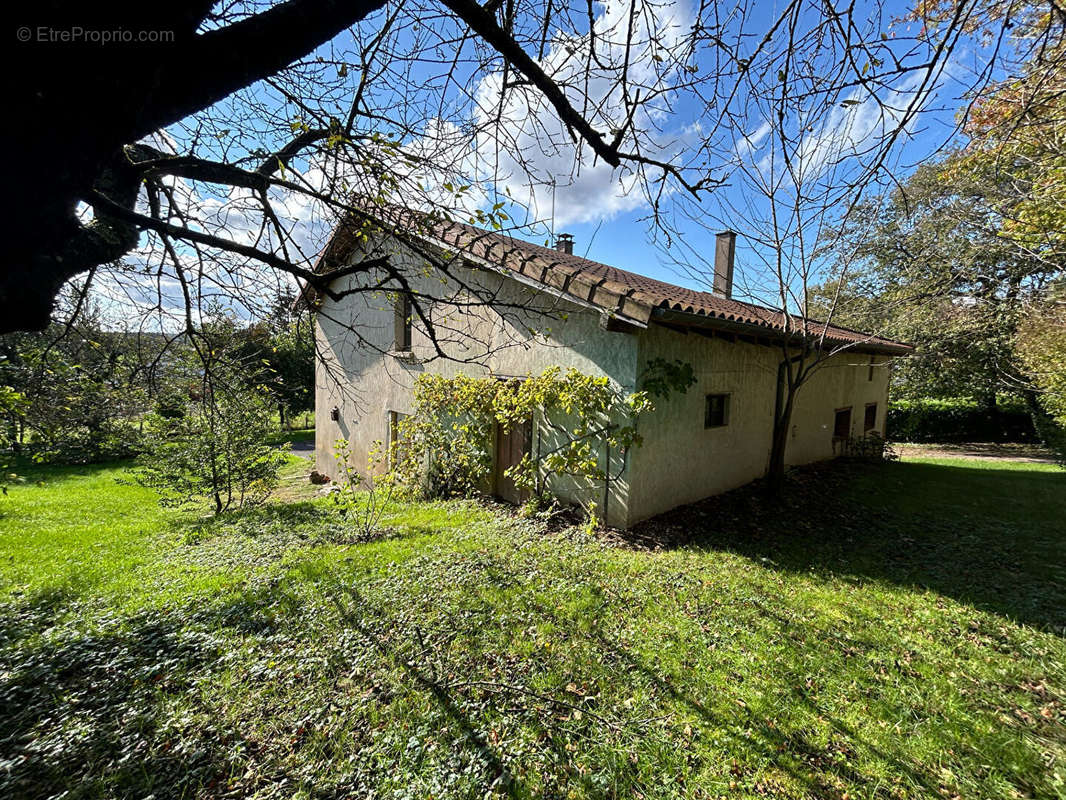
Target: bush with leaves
{"x":282,"y":346}
{"x":362,"y":497}
{"x":958,"y":419}
{"x":11,"y":406}
{"x":216,"y":450}
{"x":77,"y":417}
{"x":85,"y":389}
{"x":870,"y":447}
{"x":447,"y":440}
{"x":445,"y":446}
{"x":291,"y":357}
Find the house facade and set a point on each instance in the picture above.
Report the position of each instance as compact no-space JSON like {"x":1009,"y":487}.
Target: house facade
{"x":454,"y":298}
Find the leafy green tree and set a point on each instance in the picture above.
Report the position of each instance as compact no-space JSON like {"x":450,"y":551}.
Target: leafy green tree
{"x":936,"y":271}
{"x":11,"y":405}
{"x":959,"y":259}
{"x":85,"y":388}
{"x":956,"y":257}
{"x":1041,"y":345}
{"x":1016,"y":131}
{"x":217,"y":448}
{"x":291,"y":356}
{"x":281,"y":345}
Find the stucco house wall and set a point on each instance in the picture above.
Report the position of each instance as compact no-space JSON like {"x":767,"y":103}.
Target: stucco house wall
{"x":358,"y":373}
{"x":681,"y":461}
{"x":844,"y":381}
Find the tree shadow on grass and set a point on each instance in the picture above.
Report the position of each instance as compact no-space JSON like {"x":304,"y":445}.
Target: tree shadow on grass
{"x":992,"y":538}
{"x":255,"y":520}
{"x":28,"y":616}
{"x":816,"y":766}
{"x":791,"y":752}
{"x":124,"y":706}
{"x":846,"y":760}
{"x":359,"y":614}
{"x":83,"y":711}
{"x":296,"y":524}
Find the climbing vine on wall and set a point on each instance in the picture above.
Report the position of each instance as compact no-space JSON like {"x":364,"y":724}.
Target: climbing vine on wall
{"x":445,"y":446}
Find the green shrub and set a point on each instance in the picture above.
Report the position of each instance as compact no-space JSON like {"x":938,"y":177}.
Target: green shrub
{"x":73,"y":416}
{"x":11,"y":405}
{"x":360,"y":497}
{"x":1041,"y":345}
{"x":110,"y":440}
{"x":171,"y":405}
{"x":445,"y":447}
{"x":958,"y":420}
{"x":217,"y":450}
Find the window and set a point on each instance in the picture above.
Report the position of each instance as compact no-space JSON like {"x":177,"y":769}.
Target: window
{"x":403,"y":322}
{"x":395,"y":438}
{"x":870,"y":374}
{"x":869,"y":421}
{"x":717,"y":412}
{"x":842,"y":423}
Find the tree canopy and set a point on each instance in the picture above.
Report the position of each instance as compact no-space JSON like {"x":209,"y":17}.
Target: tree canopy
{"x":211,"y":156}
{"x":965,"y":256}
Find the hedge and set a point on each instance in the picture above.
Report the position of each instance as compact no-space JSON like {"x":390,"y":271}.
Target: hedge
{"x":958,"y":420}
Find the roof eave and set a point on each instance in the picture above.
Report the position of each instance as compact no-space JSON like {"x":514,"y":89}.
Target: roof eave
{"x":770,"y":335}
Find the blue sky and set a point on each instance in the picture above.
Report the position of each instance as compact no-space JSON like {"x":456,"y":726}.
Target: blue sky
{"x":608,"y":223}
{"x":606,"y":218}
{"x":622,"y":238}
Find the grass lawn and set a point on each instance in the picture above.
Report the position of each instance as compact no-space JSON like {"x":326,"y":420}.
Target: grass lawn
{"x":897,"y":631}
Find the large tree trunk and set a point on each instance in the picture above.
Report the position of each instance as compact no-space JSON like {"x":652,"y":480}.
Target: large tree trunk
{"x":775,"y":476}
{"x":788,"y":384}
{"x":78,"y":104}
{"x":989,"y":409}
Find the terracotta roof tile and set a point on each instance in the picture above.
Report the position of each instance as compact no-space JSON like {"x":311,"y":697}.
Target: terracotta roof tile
{"x":615,"y":290}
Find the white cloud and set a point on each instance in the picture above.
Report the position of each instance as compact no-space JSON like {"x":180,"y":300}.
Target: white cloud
{"x":852,"y":128}
{"x":534,"y":159}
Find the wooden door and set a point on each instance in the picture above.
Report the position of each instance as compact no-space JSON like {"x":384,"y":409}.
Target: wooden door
{"x":511,"y":446}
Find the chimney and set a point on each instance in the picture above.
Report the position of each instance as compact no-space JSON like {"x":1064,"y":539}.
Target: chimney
{"x":725,"y":246}
{"x":564,"y":243}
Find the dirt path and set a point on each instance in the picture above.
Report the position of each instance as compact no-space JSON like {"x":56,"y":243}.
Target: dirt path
{"x":982,"y":450}
{"x":304,"y":449}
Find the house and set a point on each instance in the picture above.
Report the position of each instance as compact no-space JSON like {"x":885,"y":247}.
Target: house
{"x":504,"y":307}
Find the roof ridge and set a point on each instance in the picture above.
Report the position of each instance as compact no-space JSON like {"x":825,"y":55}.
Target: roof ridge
{"x":615,"y":290}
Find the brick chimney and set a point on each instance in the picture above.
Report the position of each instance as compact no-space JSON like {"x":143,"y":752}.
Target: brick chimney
{"x":724,"y":248}
{"x":564,"y":243}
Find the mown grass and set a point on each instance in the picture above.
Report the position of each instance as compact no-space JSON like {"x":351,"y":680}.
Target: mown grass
{"x":896,"y":634}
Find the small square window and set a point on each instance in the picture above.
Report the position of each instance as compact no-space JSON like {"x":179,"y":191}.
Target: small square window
{"x":717,"y":411}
